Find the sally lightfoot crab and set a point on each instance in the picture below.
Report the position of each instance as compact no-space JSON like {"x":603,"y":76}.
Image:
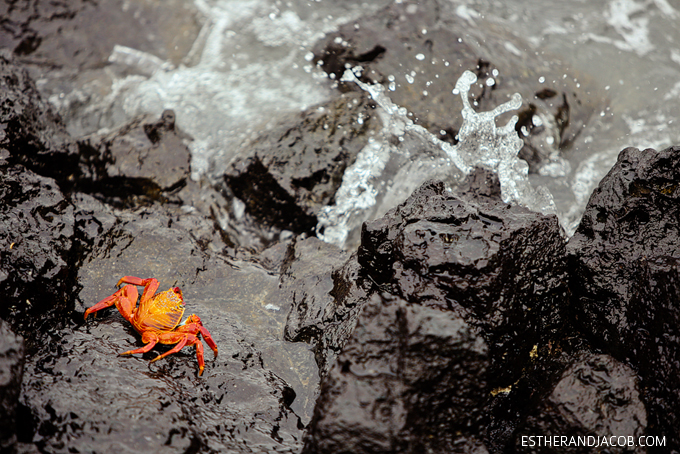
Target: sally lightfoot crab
{"x":157,"y":318}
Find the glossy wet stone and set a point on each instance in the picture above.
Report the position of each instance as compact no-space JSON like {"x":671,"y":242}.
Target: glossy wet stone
{"x":284,"y":176}
{"x":596,"y":396}
{"x":81,"y":395}
{"x":36,"y":274}
{"x":410,"y":379}
{"x":448,"y":260}
{"x":144,"y":158}
{"x":66,"y":247}
{"x":625,"y":258}
{"x":321,"y":284}
{"x":450,"y":330}
{"x":11,"y":373}
{"x":501,"y":267}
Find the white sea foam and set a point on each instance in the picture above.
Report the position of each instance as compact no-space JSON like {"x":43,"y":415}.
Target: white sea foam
{"x":368,"y":187}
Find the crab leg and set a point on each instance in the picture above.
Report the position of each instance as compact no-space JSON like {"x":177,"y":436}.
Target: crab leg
{"x":150,"y":286}
{"x":208,"y":339}
{"x":149,"y":338}
{"x":199,"y":356}
{"x":180,"y":345}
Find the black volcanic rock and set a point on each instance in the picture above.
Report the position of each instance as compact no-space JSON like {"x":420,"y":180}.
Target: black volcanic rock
{"x":31,"y":133}
{"x":145,"y":157}
{"x":36,"y":230}
{"x":286,"y":175}
{"x":410,"y":379}
{"x":11,"y":373}
{"x":625,"y":258}
{"x":596,"y":396}
{"x":326,"y":293}
{"x":462,"y":310}
{"x":501,"y":266}
{"x":67,"y":46}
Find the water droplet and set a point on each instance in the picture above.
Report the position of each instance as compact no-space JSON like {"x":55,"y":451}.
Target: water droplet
{"x":420,"y":57}
{"x":409,"y":78}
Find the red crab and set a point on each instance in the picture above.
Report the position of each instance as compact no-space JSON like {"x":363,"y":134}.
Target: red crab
{"x":157,"y":318}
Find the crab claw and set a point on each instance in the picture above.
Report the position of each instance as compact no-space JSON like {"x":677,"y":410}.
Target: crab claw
{"x":124,"y":299}
{"x":193,"y":318}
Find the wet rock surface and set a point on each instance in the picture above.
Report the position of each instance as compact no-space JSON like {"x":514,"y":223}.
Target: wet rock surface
{"x":626,"y":285}
{"x":68,"y":241}
{"x":298,"y":166}
{"x":480,"y":260}
{"x":327,"y":291}
{"x":31,"y":133}
{"x":78,"y":388}
{"x":36,"y":277}
{"x":67,"y":46}
{"x":11,"y":374}
{"x":144,"y":158}
{"x":595,"y":395}
{"x":378,"y":397}
{"x":429,"y":356}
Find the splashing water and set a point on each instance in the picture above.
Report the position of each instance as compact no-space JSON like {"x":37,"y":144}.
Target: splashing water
{"x":368,"y":187}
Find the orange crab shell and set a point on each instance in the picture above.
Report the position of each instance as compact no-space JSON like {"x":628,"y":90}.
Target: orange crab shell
{"x":162,"y":313}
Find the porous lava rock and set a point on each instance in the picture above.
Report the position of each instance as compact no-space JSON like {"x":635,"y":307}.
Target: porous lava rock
{"x":410,"y":379}
{"x":625,"y":261}
{"x":596,"y":397}
{"x":36,"y":218}
{"x":11,"y":373}
{"x":326,"y":294}
{"x":145,"y":157}
{"x":67,"y":240}
{"x":285,"y":175}
{"x":31,"y":133}
{"x":420,"y":48}
{"x":36,"y":232}
{"x":439,"y":277}
{"x":81,"y":395}
{"x":502,"y":267}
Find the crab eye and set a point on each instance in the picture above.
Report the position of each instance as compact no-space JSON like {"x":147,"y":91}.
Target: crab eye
{"x":177,"y":290}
